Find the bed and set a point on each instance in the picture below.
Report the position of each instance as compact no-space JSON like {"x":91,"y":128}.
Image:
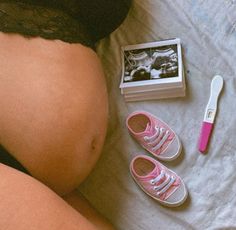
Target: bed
{"x":207,"y":30}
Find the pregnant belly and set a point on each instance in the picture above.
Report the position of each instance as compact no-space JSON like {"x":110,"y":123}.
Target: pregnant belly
{"x":53,"y":100}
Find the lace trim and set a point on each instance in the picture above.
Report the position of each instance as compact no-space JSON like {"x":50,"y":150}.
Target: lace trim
{"x":49,"y":23}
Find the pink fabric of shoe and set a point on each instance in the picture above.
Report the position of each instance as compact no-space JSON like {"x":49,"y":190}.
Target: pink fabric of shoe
{"x":158,"y":181}
{"x":154,"y":135}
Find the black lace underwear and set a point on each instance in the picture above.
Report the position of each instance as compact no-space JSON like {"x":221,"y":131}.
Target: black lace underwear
{"x":48,"y":23}
{"x":73,"y":21}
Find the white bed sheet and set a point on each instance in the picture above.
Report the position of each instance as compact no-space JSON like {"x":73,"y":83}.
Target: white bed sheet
{"x":208,"y":33}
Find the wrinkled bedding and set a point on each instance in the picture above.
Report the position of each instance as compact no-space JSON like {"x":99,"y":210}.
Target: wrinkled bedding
{"x":207,"y":30}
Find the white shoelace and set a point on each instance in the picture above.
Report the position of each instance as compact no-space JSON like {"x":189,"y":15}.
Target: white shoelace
{"x":158,"y":138}
{"x":165,"y":185}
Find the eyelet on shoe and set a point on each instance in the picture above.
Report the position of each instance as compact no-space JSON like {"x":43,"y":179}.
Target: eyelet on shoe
{"x":152,"y":182}
{"x":155,"y":188}
{"x":162,"y":129}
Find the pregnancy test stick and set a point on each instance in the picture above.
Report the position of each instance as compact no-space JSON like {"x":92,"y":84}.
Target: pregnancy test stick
{"x":210,"y":113}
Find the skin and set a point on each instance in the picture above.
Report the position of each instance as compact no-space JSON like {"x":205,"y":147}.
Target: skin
{"x":53,"y":116}
{"x":28,"y":204}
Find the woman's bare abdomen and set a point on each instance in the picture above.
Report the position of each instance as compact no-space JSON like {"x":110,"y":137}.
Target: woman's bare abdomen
{"x":53,"y":102}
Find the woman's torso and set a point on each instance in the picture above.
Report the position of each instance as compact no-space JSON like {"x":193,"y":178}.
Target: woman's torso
{"x":51,"y":93}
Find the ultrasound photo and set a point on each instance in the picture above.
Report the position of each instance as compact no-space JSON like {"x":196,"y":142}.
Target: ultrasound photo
{"x":150,"y":63}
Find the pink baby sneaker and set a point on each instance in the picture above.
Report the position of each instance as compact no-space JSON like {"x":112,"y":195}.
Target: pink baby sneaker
{"x":154,"y":135}
{"x":158,"y":181}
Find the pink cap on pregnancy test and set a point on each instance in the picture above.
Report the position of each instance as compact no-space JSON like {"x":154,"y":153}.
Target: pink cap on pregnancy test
{"x":210,"y":113}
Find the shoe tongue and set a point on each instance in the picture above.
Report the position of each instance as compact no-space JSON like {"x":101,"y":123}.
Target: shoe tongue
{"x":154,"y":173}
{"x":147,"y":130}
